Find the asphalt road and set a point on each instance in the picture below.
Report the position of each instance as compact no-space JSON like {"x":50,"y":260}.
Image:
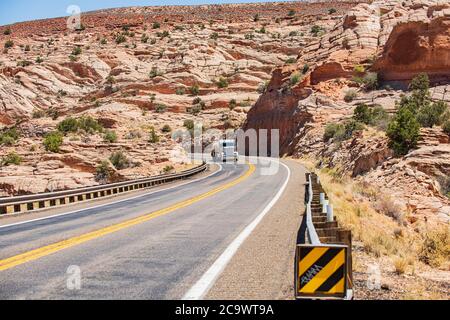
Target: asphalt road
{"x":158,"y":257}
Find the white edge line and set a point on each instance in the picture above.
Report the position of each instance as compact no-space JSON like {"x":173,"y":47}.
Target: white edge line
{"x":114,"y":202}
{"x":202,"y":287}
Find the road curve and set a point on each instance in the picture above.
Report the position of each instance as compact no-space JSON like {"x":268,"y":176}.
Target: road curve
{"x":156,"y":246}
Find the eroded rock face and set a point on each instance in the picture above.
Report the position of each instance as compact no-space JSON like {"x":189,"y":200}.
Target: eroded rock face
{"x":398,"y":40}
{"x":141,"y":83}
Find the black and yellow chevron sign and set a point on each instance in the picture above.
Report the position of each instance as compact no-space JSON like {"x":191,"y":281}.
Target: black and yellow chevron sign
{"x":321,"y":271}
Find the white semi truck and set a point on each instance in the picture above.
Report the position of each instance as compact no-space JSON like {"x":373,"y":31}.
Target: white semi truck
{"x":225,"y":150}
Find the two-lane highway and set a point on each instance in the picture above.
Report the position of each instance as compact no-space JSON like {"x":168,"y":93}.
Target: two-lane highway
{"x":156,"y":246}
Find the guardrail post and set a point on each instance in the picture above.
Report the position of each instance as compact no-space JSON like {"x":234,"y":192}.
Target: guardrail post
{"x":330,"y":213}
{"x":325,"y":206}
{"x":322,"y":198}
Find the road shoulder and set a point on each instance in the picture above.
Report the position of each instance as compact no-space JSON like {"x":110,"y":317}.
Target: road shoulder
{"x":263,"y":267}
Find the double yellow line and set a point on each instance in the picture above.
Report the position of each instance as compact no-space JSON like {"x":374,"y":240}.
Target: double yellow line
{"x":50,"y":249}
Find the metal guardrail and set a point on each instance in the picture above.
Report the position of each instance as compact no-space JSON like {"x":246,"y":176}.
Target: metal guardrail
{"x":21,"y":204}
{"x":310,"y":228}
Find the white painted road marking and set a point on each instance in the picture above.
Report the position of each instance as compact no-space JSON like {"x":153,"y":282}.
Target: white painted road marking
{"x":202,"y":287}
{"x":111,"y":203}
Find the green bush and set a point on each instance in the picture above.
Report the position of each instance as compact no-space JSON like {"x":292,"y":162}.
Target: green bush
{"x":119,"y":160}
{"x":11,"y":159}
{"x":9,"y":44}
{"x":403,"y":132}
{"x":373,"y":116}
{"x":103,"y":172}
{"x":153,"y":137}
{"x":166,"y":129}
{"x":222,"y":82}
{"x":53,"y":141}
{"x":168,"y":169}
{"x":161,"y":108}
{"x":68,"y":125}
{"x":295,"y":78}
{"x":291,"y":13}
{"x":89,"y":125}
{"x":332,"y":11}
{"x":315,"y":30}
{"x":194,"y":90}
{"x":110,"y":136}
{"x":334,"y":130}
{"x":446,"y":127}
{"x":121,"y":39}
{"x":180,"y":91}
{"x":214,"y":36}
{"x":232,"y":104}
{"x":156,"y":25}
{"x":189,"y":124}
{"x":76,"y":51}
{"x":291,"y":60}
{"x":9,"y":137}
{"x":340,"y":132}
{"x":431,"y":114}
{"x":350,"y":95}
{"x":7,"y":32}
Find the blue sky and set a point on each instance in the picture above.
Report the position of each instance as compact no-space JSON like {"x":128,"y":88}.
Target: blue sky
{"x":12,"y":11}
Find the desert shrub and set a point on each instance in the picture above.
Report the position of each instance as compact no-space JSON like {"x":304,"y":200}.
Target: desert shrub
{"x":332,"y":11}
{"x":11,"y":159}
{"x":305,"y":68}
{"x":431,"y":114}
{"x":249,"y":36}
{"x":68,"y":125}
{"x":119,"y":160}
{"x":120,"y":39}
{"x":110,"y":136}
{"x":386,"y":205}
{"x":156,"y":25}
{"x":293,"y":34}
{"x":39,"y":60}
{"x":27,"y":48}
{"x":76,"y":51}
{"x":291,"y":60}
{"x":103,"y":41}
{"x":24,"y":63}
{"x":446,"y":127}
{"x":369,"y":81}
{"x":256,"y":18}
{"x":340,"y":132}
{"x":9,"y":137}
{"x":166,"y":129}
{"x":194,"y":90}
{"x":160,"y":108}
{"x":89,"y":125}
{"x":291,"y":13}
{"x":195,"y":110}
{"x":350,"y":95}
{"x":214,"y":36}
{"x":295,"y":78}
{"x":153,"y":137}
{"x":52,"y":113}
{"x":9,"y":44}
{"x":400,"y":265}
{"x":333,"y":130}
{"x":133,"y":134}
{"x":262,"y":87}
{"x":168,"y":169}
{"x":154,"y":73}
{"x":144,"y":38}
{"x":359,"y":69}
{"x":232,"y":104}
{"x":189,"y":124}
{"x":222,"y":82}
{"x":103,"y":172}
{"x":53,"y":141}
{"x":315,"y":30}
{"x":7,"y":31}
{"x":435,"y":249}
{"x":37,"y":114}
{"x":180,"y":91}
{"x":374,"y":116}
{"x":403,"y":132}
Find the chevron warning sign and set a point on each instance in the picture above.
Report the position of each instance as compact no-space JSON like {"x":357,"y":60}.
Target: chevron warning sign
{"x":321,"y":271}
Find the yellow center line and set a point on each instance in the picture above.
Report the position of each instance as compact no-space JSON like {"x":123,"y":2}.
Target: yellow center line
{"x":50,"y":249}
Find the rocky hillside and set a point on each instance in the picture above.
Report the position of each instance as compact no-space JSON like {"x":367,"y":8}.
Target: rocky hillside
{"x":369,"y":56}
{"x":135,"y":75}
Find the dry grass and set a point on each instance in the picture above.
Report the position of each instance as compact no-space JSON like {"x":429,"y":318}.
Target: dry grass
{"x":435,"y":249}
{"x":378,"y":222}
